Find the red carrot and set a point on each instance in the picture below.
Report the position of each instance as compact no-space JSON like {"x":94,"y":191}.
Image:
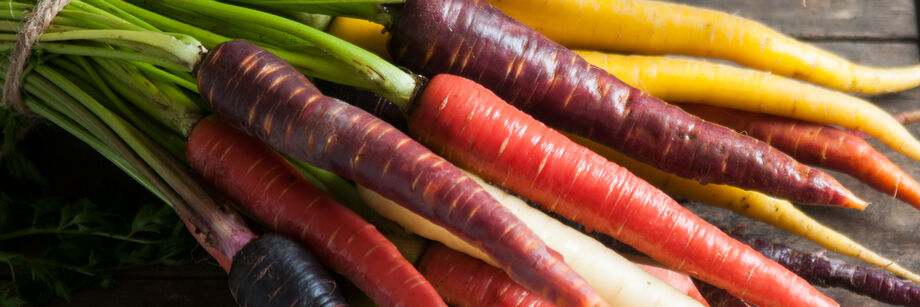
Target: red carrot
{"x":270,"y":189}
{"x":561,"y":89}
{"x":265,"y":97}
{"x":467,"y":281}
{"x":819,"y":145}
{"x":476,"y":129}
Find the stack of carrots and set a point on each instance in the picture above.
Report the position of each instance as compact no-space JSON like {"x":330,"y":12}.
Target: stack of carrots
{"x":587,"y":136}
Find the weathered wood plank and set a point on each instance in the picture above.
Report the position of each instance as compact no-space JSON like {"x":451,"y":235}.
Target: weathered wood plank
{"x":826,"y":19}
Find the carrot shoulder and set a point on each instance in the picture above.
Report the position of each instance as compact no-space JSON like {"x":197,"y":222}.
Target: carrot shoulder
{"x":474,"y":128}
{"x":559,"y":88}
{"x":267,"y":98}
{"x":270,"y":189}
{"x":658,"y":27}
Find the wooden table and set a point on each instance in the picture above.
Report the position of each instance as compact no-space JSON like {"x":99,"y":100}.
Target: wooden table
{"x":879,"y":32}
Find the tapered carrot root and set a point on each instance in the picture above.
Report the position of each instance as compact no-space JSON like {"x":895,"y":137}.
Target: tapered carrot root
{"x":265,"y":97}
{"x":556,"y":86}
{"x":270,"y":189}
{"x":755,"y":91}
{"x":273,"y":270}
{"x":467,"y":281}
{"x":476,"y":129}
{"x":820,"y":145}
{"x":779,"y":213}
{"x":658,"y":27}
{"x":826,"y":272}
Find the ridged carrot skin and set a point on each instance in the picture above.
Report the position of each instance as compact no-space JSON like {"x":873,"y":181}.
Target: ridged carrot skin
{"x":267,"y":98}
{"x":273,"y":270}
{"x":266,"y":186}
{"x":467,"y":281}
{"x":819,"y":145}
{"x":559,"y":88}
{"x":477,"y":130}
{"x":660,"y":27}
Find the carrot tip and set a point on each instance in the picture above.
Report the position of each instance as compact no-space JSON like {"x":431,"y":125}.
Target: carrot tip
{"x":855,"y":203}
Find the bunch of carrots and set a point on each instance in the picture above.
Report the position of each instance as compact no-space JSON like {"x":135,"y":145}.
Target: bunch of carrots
{"x":204,"y":114}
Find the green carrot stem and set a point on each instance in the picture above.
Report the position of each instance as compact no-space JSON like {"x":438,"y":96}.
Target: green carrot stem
{"x":100,"y":21}
{"x":183,"y":47}
{"x":183,"y":80}
{"x":173,"y":143}
{"x":390,"y":81}
{"x":93,"y":51}
{"x":373,"y":10}
{"x":98,"y":145}
{"x":117,"y":12}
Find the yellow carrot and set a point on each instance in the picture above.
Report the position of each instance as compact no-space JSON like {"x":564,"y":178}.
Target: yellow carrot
{"x":652,"y":27}
{"x":619,"y":281}
{"x":779,"y":213}
{"x":694,"y":81}
{"x":365,"y":34}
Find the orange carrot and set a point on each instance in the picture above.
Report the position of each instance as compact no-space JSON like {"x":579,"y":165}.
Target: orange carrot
{"x":819,"y":145}
{"x":467,"y":281}
{"x":264,"y":96}
{"x":476,"y":129}
{"x":270,"y":189}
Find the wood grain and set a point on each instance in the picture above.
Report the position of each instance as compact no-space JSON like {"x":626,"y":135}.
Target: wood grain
{"x":827,"y":19}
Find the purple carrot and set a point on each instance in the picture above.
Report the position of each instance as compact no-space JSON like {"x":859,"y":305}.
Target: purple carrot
{"x":273,"y":270}
{"x":470,"y":38}
{"x":822,"y":271}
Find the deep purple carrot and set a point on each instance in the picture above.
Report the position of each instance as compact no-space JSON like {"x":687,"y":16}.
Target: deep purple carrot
{"x":822,"y":271}
{"x":470,"y":38}
{"x":264,"y":96}
{"x":273,"y":270}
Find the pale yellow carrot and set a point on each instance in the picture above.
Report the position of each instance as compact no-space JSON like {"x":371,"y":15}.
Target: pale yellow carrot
{"x":653,"y":27}
{"x":619,"y":281}
{"x":779,"y":213}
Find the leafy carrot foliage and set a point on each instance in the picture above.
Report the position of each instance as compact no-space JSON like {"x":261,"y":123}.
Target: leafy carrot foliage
{"x":56,"y":238}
